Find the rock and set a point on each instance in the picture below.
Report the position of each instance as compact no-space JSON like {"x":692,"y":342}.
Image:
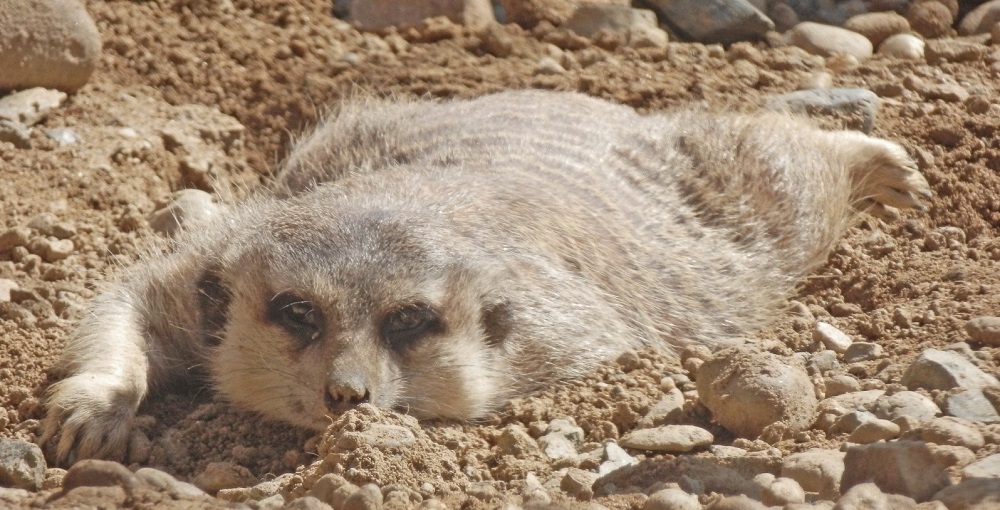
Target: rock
{"x":714,"y":21}
{"x":862,"y":103}
{"x":614,"y":457}
{"x":187,"y":207}
{"x":5,"y":287}
{"x":747,"y":390}
{"x":929,"y":19}
{"x":529,"y":13}
{"x":648,"y":37}
{"x":874,"y":430}
{"x":988,"y":467}
{"x":899,"y":467}
{"x":166,"y":483}
{"x":826,"y":40}
{"x":972,"y":405}
{"x":783,"y":491}
{"x":867,"y":496}
{"x":671,"y":499}
{"x":949,"y":456}
{"x":223,"y":475}
{"x":840,"y":384}
{"x":47,"y":43}
{"x":668,"y":438}
{"x":332,"y":489}
{"x":971,"y":494}
{"x":952,"y":431}
{"x":985,"y":330}
{"x":307,"y":503}
{"x":22,"y":464}
{"x":579,"y":483}
{"x":905,"y":403}
{"x":831,"y":337}
{"x":669,"y":408}
{"x":877,"y":26}
{"x":368,"y":497}
{"x":377,"y":435}
{"x":29,"y":107}
{"x":816,"y":470}
{"x":588,"y":19}
{"x":903,"y":46}
{"x":16,"y":134}
{"x":944,"y":370}
{"x":380,"y":14}
{"x":51,"y":250}
{"x":739,"y":502}
{"x":862,"y":351}
{"x":514,"y":440}
{"x":823,"y":361}
{"x":954,"y":50}
{"x":557,"y":446}
{"x":980,"y":19}
{"x":784,"y":17}
{"x":949,"y":92}
{"x":101,"y":473}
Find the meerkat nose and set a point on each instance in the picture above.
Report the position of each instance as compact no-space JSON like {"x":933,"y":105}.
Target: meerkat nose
{"x":342,"y":393}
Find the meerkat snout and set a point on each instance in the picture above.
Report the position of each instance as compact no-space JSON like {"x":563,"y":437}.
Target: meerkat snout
{"x":344,"y":391}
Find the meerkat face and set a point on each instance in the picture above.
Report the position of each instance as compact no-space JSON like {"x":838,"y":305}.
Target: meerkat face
{"x":359,"y":312}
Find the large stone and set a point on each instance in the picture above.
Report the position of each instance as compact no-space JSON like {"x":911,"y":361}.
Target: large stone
{"x":980,"y":19}
{"x":747,"y":390}
{"x":944,"y":370}
{"x":379,"y":14}
{"x":972,"y":405}
{"x":22,"y":464}
{"x":714,"y":21}
{"x":971,"y":494}
{"x":899,"y":467}
{"x":952,"y":431}
{"x":46,"y":43}
{"x":827,"y":40}
{"x":816,"y":470}
{"x":905,"y":403}
{"x":985,"y":330}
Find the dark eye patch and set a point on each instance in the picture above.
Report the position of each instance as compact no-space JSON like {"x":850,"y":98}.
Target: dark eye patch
{"x":297,"y":315}
{"x":404,"y":326}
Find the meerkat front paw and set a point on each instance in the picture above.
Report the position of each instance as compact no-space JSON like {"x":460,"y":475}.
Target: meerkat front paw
{"x":886,"y":178}
{"x":89,"y":416}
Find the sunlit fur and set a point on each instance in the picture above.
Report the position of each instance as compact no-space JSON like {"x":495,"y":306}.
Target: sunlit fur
{"x":550,"y":231}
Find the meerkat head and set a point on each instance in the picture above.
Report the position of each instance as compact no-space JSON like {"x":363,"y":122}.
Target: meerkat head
{"x":316,"y":315}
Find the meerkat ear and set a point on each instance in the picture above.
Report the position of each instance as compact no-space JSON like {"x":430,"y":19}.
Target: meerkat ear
{"x":213,"y":305}
{"x":495,"y":319}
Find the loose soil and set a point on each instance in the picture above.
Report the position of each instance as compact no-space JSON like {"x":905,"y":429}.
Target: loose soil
{"x":277,"y":65}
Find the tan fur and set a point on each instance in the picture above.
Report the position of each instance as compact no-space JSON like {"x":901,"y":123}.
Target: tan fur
{"x":549,"y":232}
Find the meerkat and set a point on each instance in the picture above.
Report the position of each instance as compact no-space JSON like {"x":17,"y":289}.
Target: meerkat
{"x":440,"y":258}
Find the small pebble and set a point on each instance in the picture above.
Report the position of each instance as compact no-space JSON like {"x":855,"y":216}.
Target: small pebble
{"x":903,"y":46}
{"x":816,"y":470}
{"x":827,"y":40}
{"x":223,"y":475}
{"x":905,"y":403}
{"x":874,"y":430}
{"x":671,"y":499}
{"x":783,"y":491}
{"x":985,"y":330}
{"x":668,"y":438}
{"x":15,"y":134}
{"x":861,"y":102}
{"x":973,"y":405}
{"x":831,"y":337}
{"x":862,"y":351}
{"x":716,"y":21}
{"x":368,"y":497}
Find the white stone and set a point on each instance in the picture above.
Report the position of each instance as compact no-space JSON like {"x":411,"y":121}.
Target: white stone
{"x":668,"y":438}
{"x":831,"y":337}
{"x":903,"y":46}
{"x":672,"y":499}
{"x":828,"y":40}
{"x":29,"y":107}
{"x":988,"y":467}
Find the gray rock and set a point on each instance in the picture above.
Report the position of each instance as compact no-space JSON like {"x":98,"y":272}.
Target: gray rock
{"x":985,"y":330}
{"x":952,"y":431}
{"x":29,"y":107}
{"x":748,"y":390}
{"x":944,"y":370}
{"x":714,"y":21}
{"x":614,"y":457}
{"x":167,"y":483}
{"x":22,"y":464}
{"x":588,"y":19}
{"x":368,"y":497}
{"x":972,"y":405}
{"x":15,"y":133}
{"x":899,"y":467}
{"x":860,"y":102}
{"x":47,"y":43}
{"x":557,"y":446}
{"x":379,"y":14}
{"x":905,"y":403}
{"x":668,"y":438}
{"x":862,"y":351}
{"x":816,"y":470}
{"x":868,"y":496}
{"x":827,"y":40}
{"x":5,"y":287}
{"x":988,"y":467}
{"x":223,"y":475}
{"x":831,"y":337}
{"x":971,"y":494}
{"x":669,"y":408}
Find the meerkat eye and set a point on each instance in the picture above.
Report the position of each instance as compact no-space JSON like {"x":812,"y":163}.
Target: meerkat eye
{"x":297,"y":315}
{"x":408,"y":324}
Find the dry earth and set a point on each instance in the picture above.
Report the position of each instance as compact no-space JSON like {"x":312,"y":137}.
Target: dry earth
{"x":275,"y":65}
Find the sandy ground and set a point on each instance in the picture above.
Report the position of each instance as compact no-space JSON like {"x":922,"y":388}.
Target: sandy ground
{"x":275,"y":65}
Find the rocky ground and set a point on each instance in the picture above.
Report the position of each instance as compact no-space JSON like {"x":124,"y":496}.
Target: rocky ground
{"x":892,"y":343}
